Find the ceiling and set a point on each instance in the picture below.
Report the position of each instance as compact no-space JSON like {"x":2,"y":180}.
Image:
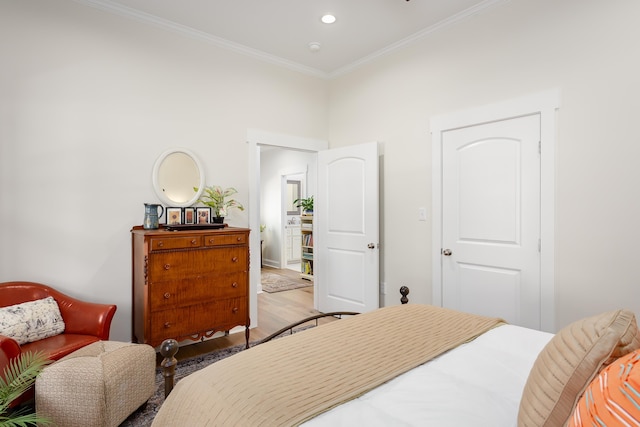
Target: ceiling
{"x":280,"y":31}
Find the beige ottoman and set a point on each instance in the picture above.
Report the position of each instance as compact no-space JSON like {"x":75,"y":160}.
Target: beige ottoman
{"x":98,"y":385}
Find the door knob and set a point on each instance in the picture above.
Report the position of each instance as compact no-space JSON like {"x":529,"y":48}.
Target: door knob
{"x":447,"y":252}
{"x":371,"y":246}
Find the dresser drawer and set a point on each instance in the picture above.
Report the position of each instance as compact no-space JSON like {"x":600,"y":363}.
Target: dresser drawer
{"x":219,"y":315}
{"x":225,"y":239}
{"x":178,"y":293}
{"x":161,"y":244}
{"x":165,"y":266}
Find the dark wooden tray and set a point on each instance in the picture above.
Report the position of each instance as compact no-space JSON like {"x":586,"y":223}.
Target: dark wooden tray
{"x":179,"y":227}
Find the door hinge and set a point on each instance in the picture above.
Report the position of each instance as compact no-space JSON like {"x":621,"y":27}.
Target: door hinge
{"x":539,"y":245}
{"x":539,"y":147}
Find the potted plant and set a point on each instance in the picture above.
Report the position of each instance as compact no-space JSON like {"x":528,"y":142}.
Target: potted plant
{"x":306,"y":204}
{"x":218,"y":200}
{"x":19,"y":376}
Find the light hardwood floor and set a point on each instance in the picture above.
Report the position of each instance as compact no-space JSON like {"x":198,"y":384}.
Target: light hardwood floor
{"x":275,"y":311}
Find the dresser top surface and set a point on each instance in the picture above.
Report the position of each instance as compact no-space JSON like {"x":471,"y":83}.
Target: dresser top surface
{"x":138,"y":229}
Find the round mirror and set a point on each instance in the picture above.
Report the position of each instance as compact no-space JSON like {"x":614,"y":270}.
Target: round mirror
{"x":175,"y":174}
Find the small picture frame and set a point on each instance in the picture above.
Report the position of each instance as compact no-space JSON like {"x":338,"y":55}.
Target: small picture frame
{"x":189,"y":215}
{"x":203,"y":215}
{"x":174,"y":216}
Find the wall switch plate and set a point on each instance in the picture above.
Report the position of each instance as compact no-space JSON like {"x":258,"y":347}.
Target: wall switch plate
{"x":422,"y":214}
{"x":383,"y":288}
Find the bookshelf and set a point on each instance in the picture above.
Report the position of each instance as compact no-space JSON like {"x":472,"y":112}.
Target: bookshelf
{"x":306,"y":257}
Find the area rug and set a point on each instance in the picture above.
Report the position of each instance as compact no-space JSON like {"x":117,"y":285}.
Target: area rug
{"x":272,"y":282}
{"x":144,"y":416}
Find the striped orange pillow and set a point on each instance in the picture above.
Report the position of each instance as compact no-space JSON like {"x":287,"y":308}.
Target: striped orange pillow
{"x":613,"y":397}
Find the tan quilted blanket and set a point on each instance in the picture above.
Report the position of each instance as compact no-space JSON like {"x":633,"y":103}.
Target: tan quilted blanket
{"x":292,"y":379}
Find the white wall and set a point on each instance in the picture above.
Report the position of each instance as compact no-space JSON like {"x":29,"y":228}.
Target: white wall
{"x":587,"y":49}
{"x":88,"y":101}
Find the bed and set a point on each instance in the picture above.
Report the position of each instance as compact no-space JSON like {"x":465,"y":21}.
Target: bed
{"x":406,"y":365}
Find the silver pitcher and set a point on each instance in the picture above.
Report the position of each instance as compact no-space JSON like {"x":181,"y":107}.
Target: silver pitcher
{"x":151,"y":216}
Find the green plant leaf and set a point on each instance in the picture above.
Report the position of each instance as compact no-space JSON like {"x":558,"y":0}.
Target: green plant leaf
{"x":216,"y":198}
{"x":17,"y":378}
{"x":306,"y":204}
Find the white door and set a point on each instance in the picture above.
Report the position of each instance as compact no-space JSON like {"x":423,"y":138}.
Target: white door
{"x":491,"y":220}
{"x":346,"y":236}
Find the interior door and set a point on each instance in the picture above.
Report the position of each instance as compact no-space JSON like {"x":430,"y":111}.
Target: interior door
{"x":346,"y":217}
{"x":491,"y":220}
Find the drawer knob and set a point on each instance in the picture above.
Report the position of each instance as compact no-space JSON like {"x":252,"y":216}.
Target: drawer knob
{"x":167,"y":295}
{"x":167,"y":325}
{"x":211,"y":240}
{"x":234,"y":285}
{"x":239,"y":239}
{"x":194,"y":241}
{"x":234,"y":259}
{"x":167,"y":266}
{"x":160,"y":244}
{"x":235,"y":310}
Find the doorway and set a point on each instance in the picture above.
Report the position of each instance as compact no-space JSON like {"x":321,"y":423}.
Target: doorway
{"x":541,"y":111}
{"x":285,"y":175}
{"x":363,"y":157}
{"x":261,"y":142}
{"x":491,"y":220}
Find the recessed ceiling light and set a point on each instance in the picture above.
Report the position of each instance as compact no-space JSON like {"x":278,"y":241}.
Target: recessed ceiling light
{"x":314,"y":46}
{"x":328,"y":19}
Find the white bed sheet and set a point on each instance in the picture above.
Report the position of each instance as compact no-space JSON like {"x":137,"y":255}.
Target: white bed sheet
{"x":478,"y":383}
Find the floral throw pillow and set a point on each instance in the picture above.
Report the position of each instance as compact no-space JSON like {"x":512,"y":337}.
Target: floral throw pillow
{"x":31,"y":321}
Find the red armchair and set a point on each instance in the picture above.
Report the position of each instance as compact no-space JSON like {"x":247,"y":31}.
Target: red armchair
{"x":85,"y":323}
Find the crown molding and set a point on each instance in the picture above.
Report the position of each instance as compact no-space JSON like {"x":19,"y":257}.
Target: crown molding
{"x":166,"y":24}
{"x":474,"y":10}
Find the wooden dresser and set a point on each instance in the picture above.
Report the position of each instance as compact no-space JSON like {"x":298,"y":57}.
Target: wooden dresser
{"x":189,"y":284}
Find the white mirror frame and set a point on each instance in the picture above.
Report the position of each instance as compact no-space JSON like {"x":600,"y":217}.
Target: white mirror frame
{"x":156,"y":181}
